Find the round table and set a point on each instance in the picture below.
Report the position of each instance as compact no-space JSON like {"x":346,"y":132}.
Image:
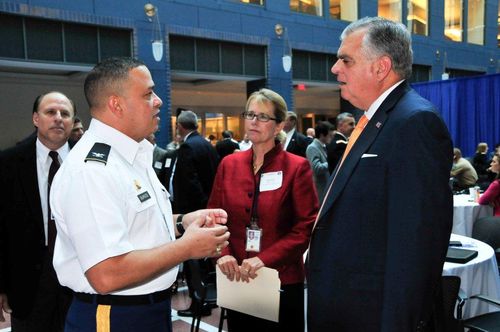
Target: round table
{"x":466,"y":212}
{"x":478,"y":276}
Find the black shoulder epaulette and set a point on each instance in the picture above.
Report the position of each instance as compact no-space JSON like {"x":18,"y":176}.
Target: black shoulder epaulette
{"x":99,"y":152}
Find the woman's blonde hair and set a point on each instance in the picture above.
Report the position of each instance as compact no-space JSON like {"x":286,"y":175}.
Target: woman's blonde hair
{"x":267,"y":95}
{"x":482,"y":147}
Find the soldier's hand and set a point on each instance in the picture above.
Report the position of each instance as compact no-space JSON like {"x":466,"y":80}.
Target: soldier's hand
{"x":4,"y":307}
{"x":205,"y":241}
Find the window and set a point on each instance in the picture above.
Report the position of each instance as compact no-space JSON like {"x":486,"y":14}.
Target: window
{"x":346,"y":10}
{"x":453,"y":19}
{"x":212,"y":56}
{"x":417,"y":17}
{"x":312,"y":66}
{"x":255,"y":2}
{"x":390,"y":9}
{"x":312,"y":7}
{"x":475,"y":22}
{"x":420,"y":73}
{"x":498,"y":34}
{"x":69,"y":42}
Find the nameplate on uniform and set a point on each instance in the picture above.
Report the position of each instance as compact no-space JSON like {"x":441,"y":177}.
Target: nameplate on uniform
{"x":143,"y":196}
{"x":99,"y":153}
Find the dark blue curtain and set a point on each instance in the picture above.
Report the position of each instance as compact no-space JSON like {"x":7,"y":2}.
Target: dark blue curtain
{"x":470,"y":106}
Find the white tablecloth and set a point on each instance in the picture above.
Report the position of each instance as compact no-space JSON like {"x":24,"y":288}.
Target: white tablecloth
{"x":465,"y":213}
{"x":478,"y":276}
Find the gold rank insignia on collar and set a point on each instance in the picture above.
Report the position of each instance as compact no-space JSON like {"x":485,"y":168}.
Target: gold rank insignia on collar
{"x":137,"y":185}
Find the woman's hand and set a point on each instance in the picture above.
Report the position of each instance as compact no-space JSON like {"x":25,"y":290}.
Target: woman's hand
{"x":229,"y":266}
{"x":249,"y":268}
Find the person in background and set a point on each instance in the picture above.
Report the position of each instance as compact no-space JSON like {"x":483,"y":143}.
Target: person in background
{"x":29,"y":289}
{"x":77,"y":131}
{"x":492,"y":195}
{"x":175,"y":143}
{"x":481,"y":164}
{"x":310,"y":135}
{"x":226,"y":146}
{"x":116,"y":244}
{"x":271,"y":203}
{"x":295,"y":143}
{"x":316,"y":154}
{"x":335,"y":149}
{"x":463,"y":173}
{"x":378,"y":247}
{"x":159,"y":154}
{"x":245,"y":143}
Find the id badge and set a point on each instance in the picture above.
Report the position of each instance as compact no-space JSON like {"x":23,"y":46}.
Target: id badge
{"x":254,"y":236}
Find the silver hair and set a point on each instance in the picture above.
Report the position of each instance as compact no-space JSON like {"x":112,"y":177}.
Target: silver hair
{"x":188,"y":120}
{"x":341,"y":117}
{"x":385,"y":37}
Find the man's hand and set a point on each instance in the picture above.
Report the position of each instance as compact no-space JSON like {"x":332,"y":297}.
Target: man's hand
{"x":4,"y":307}
{"x":205,"y":241}
{"x":212,"y":217}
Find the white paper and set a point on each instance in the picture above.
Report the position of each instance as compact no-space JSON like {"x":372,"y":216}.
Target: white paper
{"x":158,"y":164}
{"x":271,"y":181}
{"x":260,"y":297}
{"x":168,"y":162}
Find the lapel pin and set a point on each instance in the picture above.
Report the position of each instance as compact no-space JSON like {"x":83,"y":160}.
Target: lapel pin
{"x":137,"y":185}
{"x":378,"y":124}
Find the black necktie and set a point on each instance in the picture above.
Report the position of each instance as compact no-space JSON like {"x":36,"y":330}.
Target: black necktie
{"x":51,"y":226}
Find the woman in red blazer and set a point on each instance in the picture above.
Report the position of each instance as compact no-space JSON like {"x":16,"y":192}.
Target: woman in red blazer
{"x":271,"y":203}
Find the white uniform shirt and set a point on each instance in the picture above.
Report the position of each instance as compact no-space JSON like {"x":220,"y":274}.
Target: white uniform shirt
{"x":98,"y":211}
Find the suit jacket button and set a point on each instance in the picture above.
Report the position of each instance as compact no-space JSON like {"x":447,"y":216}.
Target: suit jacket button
{"x":250,"y":195}
{"x":247,"y":210}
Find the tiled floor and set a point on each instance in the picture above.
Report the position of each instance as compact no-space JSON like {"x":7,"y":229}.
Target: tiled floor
{"x":180,"y":301}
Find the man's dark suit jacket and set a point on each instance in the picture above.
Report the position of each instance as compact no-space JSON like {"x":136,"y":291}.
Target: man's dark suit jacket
{"x":194,"y":174}
{"x":226,"y":147}
{"x":377,"y":251}
{"x":335,"y":150}
{"x":298,"y":144}
{"x":22,"y":240}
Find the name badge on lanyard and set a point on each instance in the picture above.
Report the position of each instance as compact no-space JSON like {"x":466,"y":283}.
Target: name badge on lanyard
{"x":254,"y":236}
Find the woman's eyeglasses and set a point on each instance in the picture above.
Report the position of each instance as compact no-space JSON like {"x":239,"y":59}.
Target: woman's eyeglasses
{"x":262,"y":117}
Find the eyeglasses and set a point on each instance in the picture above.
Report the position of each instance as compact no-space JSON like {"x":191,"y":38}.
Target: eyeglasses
{"x":262,"y":117}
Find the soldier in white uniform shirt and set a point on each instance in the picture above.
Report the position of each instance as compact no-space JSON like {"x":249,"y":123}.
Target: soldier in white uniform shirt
{"x":115,"y":245}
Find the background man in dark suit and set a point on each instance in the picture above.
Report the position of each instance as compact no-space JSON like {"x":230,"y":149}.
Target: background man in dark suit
{"x":296,"y":142}
{"x":226,"y":145}
{"x":193,"y":176}
{"x":28,"y":283}
{"x":195,"y":167}
{"x":380,"y":240}
{"x":335,"y":149}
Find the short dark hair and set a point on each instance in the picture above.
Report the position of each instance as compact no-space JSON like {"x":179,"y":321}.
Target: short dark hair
{"x":227,"y":134}
{"x":322,"y":128}
{"x":38,"y":100}
{"x":76,"y":119}
{"x":108,"y":74}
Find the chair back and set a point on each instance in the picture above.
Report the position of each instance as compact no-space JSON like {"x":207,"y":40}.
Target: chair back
{"x":487,"y":230}
{"x":450,"y":286}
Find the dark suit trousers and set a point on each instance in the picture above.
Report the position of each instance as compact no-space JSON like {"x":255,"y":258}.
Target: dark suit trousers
{"x":51,"y":304}
{"x":291,"y":316}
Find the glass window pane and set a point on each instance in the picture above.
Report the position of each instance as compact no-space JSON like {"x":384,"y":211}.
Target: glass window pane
{"x":80,"y":43}
{"x":255,"y":60}
{"x":417,"y":17}
{"x":214,"y":124}
{"x":346,"y":10}
{"x":475,"y":22}
{"x":231,"y":58}
{"x":114,"y":42}
{"x":233,"y":124}
{"x":318,"y":66}
{"x":207,"y":56}
{"x":181,"y":53}
{"x":390,"y":9}
{"x":453,"y":20}
{"x":300,"y":65}
{"x":255,"y":2}
{"x":11,"y":34}
{"x":312,"y":7}
{"x":39,"y":34}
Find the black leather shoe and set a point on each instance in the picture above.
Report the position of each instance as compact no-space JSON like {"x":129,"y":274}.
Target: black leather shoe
{"x":190,"y":312}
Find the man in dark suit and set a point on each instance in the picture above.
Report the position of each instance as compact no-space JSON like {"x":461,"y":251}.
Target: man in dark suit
{"x":195,"y":167}
{"x":296,"y":142}
{"x":226,"y":146}
{"x":381,"y":236}
{"x":335,"y":149}
{"x":193,"y":176}
{"x":28,"y":284}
